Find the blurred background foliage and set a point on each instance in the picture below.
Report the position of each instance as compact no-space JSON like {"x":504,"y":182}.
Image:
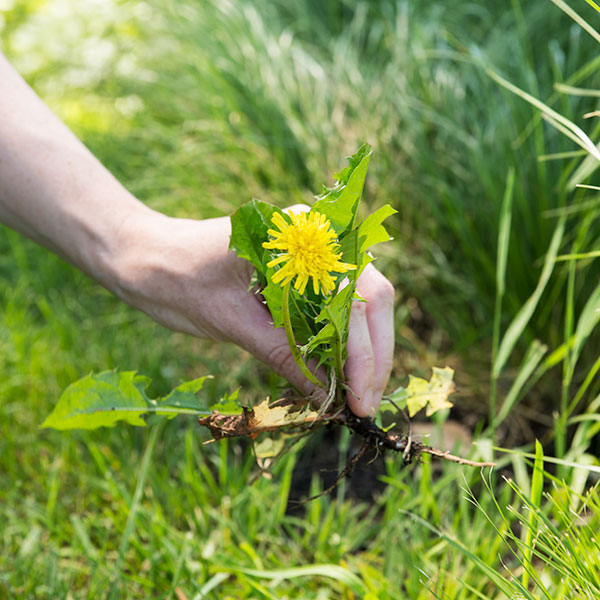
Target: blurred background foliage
{"x":197,"y":107}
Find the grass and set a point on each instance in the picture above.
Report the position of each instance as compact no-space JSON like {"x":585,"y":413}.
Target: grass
{"x":196,"y":107}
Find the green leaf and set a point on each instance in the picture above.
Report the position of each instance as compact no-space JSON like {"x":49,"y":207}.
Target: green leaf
{"x":302,"y":315}
{"x":273,"y":294}
{"x":103,"y":399}
{"x":100,"y":401}
{"x":353,"y":162}
{"x":184,"y":396}
{"x":249,"y":226}
{"x":349,"y":247}
{"x":229,"y":404}
{"x":336,"y":311}
{"x":395,"y":400}
{"x":340,"y":208}
{"x":326,"y":335}
{"x":371,"y":230}
{"x":303,"y":327}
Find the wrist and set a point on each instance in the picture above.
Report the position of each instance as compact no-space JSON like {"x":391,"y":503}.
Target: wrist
{"x":130,"y":246}
{"x":168,"y":267}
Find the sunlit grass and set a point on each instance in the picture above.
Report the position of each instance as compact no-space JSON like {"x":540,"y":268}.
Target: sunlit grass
{"x":197,"y":107}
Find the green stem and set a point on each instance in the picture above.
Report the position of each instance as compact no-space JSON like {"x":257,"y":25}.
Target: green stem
{"x":287,"y":324}
{"x":339,"y":366}
{"x":340,"y":361}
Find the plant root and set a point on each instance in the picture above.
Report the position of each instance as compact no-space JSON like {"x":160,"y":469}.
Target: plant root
{"x":350,"y":466}
{"x":249,"y":424}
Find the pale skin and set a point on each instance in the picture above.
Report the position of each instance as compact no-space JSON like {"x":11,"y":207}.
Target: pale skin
{"x":178,"y":271}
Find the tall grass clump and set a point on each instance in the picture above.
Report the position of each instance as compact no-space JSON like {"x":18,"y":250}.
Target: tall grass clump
{"x":475,"y":111}
{"x":265,"y":97}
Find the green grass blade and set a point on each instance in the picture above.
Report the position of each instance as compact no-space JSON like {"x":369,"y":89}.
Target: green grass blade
{"x":576,"y":91}
{"x":578,"y":256}
{"x":593,"y":4}
{"x":585,"y":385}
{"x":520,"y":321}
{"x":562,"y":155}
{"x":533,"y":357}
{"x":572,"y":209}
{"x":578,"y":134}
{"x":501,"y":260}
{"x":537,"y":485}
{"x":492,"y":574}
{"x":211,"y":584}
{"x":324,"y":570}
{"x":552,"y":459}
{"x":133,"y":509}
{"x":578,"y":19}
{"x":588,"y":319}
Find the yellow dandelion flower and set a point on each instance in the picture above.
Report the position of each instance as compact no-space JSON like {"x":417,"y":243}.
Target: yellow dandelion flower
{"x":310,"y":249}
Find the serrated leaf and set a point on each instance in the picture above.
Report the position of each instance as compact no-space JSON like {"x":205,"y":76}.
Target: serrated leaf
{"x":273,"y":417}
{"x":325,"y":336}
{"x":336,"y":311}
{"x":353,"y":161}
{"x":249,"y":226}
{"x":341,"y":208}
{"x":101,"y":400}
{"x":371,"y":231}
{"x":432,"y":394}
{"x":229,"y":404}
{"x":184,"y":396}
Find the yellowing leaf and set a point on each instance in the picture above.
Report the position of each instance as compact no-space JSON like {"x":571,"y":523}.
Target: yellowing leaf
{"x":267,"y":417}
{"x":432,"y":394}
{"x":269,"y":447}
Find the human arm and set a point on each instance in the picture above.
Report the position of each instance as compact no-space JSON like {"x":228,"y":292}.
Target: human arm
{"x":179,"y":271}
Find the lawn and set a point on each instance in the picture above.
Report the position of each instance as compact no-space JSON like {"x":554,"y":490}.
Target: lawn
{"x":199,"y":106}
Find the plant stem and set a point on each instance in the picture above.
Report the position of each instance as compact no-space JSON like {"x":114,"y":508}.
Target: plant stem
{"x":287,"y":324}
{"x":339,"y":360}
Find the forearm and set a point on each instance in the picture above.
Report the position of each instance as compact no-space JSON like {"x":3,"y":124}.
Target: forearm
{"x":52,"y":189}
{"x":178,"y":271}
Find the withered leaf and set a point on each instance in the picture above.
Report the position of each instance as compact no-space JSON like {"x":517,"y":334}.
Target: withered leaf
{"x":265,"y":417}
{"x":432,"y":394}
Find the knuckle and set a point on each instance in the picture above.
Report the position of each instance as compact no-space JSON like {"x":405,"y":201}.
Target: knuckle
{"x":359,"y":309}
{"x":375,"y":287}
{"x":384,"y":291}
{"x":280,"y":359}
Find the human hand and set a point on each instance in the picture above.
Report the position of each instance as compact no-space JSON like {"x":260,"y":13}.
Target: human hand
{"x":181,"y":273}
